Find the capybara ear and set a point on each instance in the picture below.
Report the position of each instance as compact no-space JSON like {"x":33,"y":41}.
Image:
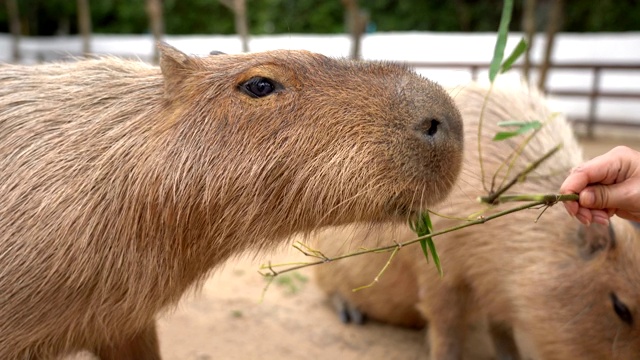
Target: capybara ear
{"x":216,"y":52}
{"x":173,"y":62}
{"x":595,"y":238}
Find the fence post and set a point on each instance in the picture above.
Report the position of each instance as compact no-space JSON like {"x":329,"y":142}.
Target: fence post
{"x":474,"y":73}
{"x":593,"y":101}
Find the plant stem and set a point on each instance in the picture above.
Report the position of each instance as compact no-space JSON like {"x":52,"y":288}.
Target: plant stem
{"x":384,"y":268}
{"x":480,"y":220}
{"x":546,"y":198}
{"x":491,"y":199}
{"x":480,"y":121}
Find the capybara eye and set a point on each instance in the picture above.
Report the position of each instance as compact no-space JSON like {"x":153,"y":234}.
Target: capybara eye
{"x":258,"y":87}
{"x":621,"y":310}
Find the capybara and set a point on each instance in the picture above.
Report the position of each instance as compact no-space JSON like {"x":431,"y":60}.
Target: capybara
{"x":571,"y":292}
{"x":124,"y":184}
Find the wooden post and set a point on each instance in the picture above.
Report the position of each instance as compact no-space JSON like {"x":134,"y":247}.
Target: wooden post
{"x":552,"y":28}
{"x":529,"y":25}
{"x":239,"y":9}
{"x":156,"y":24}
{"x":84,"y":25}
{"x":15,"y":28}
{"x":356,"y":21}
{"x":593,"y":101}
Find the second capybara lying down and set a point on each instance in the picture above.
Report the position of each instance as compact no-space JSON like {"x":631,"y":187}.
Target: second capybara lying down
{"x":572,"y":292}
{"x":123,"y":185}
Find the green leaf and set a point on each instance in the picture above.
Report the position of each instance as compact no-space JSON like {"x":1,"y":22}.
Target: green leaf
{"x":503,"y":30}
{"x":423,"y":245}
{"x":504,"y":135}
{"x":515,"y":54}
{"x":523,"y":127}
{"x":434,"y":253}
{"x":423,"y":226}
{"x":518,"y":123}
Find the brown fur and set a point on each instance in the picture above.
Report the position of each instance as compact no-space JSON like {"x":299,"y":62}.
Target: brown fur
{"x":124,"y":184}
{"x":551,"y":280}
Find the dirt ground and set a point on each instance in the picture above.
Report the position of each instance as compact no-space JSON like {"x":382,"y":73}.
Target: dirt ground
{"x":226,"y":320}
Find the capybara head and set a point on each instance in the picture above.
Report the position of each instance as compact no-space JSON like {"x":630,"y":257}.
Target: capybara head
{"x":310,"y":134}
{"x":589,"y":308}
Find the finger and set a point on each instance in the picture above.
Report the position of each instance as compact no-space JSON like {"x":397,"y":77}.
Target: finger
{"x":600,"y":217}
{"x":616,"y":196}
{"x":633,"y":216}
{"x":584,"y":216}
{"x":571,"y":207}
{"x":602,"y":169}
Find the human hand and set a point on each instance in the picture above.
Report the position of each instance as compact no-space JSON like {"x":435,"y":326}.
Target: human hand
{"x":608,"y":184}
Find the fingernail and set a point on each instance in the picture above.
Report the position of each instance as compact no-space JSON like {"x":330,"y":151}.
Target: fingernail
{"x":582,"y":219}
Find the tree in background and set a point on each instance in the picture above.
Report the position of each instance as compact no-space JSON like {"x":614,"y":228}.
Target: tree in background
{"x":239,"y":9}
{"x":15,"y":28}
{"x":84,"y":25}
{"x":553,"y":26}
{"x":529,"y":27}
{"x":53,"y":17}
{"x":156,"y":23}
{"x":356,"y":21}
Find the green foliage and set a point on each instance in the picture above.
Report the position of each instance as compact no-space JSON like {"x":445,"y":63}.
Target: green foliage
{"x":291,"y":283}
{"x":501,"y":42}
{"x":515,"y":54}
{"x":602,"y":15}
{"x":521,"y":127}
{"x":422,"y":226}
{"x":50,"y":17}
{"x":295,"y":16}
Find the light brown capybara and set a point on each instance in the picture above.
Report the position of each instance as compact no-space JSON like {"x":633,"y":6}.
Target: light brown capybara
{"x":124,"y":184}
{"x":571,"y":292}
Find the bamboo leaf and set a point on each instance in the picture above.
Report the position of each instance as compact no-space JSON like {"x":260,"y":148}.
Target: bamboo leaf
{"x":523,"y":127}
{"x":423,"y":245}
{"x":503,"y":135}
{"x":519,"y":123}
{"x":423,"y":226}
{"x":503,"y":30}
{"x":434,"y":253}
{"x":515,"y":54}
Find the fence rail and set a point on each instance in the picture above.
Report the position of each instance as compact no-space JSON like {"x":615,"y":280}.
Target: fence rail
{"x":593,"y":94}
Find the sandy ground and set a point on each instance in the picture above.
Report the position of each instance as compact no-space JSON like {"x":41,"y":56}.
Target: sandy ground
{"x":294,"y":321}
{"x":227,"y":320}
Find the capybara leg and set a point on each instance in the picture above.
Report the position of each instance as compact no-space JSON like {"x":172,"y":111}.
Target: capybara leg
{"x":503,"y":341}
{"x":346,"y":311}
{"x":446,"y":311}
{"x":143,"y":346}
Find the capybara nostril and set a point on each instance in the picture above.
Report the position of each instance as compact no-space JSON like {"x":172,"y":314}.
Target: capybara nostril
{"x":433,"y":128}
{"x":429,"y":127}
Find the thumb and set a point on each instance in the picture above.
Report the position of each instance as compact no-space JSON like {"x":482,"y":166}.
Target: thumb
{"x":612,"y":196}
